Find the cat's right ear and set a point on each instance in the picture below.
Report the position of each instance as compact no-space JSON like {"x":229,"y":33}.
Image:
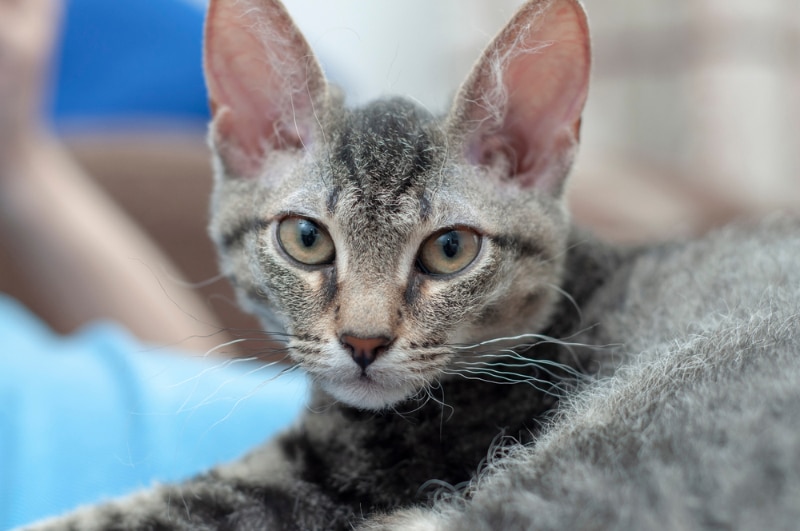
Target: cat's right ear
{"x":265,"y":86}
{"x":519,"y":111}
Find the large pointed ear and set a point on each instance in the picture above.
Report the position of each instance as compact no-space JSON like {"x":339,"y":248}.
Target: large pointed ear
{"x":520,"y":109}
{"x":264,"y":83}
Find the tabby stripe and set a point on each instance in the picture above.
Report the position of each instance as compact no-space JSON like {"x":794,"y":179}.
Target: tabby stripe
{"x":424,"y":208}
{"x":333,"y":198}
{"x":330,"y":287}
{"x":235,"y":236}
{"x":523,"y":247}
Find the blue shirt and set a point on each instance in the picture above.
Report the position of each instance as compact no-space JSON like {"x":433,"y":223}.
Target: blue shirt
{"x":97,"y":414}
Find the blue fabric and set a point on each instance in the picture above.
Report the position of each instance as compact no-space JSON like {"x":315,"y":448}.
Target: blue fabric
{"x":95,"y":415}
{"x":130,"y":59}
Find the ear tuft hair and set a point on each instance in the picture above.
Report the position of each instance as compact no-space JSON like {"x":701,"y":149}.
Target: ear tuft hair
{"x":519,"y":111}
{"x":264,"y":83}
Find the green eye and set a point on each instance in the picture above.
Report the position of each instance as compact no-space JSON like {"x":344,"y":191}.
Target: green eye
{"x":448,"y":252}
{"x":305,"y":241}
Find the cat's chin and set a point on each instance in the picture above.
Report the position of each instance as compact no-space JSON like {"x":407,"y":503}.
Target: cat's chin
{"x":366,"y":393}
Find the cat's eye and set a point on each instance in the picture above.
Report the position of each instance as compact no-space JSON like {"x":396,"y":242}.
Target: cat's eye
{"x":306,"y":241}
{"x":448,"y":251}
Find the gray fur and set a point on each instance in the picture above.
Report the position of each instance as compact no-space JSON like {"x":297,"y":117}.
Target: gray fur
{"x":555,"y":383}
{"x":699,"y":427}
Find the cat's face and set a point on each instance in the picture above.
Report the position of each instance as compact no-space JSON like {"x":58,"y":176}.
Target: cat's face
{"x":381,"y":251}
{"x":384,"y":241}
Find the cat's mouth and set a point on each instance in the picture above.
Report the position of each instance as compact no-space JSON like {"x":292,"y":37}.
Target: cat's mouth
{"x":364,"y":392}
{"x":395,"y":376}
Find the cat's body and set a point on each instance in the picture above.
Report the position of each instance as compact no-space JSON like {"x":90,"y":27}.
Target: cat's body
{"x":395,"y":247}
{"x":699,"y":427}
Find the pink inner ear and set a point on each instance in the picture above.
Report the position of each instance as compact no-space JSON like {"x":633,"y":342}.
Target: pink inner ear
{"x":543,"y":57}
{"x":262,"y":81}
{"x":240,"y":159}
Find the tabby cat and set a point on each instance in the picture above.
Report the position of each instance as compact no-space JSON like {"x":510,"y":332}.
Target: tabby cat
{"x":477,"y":362}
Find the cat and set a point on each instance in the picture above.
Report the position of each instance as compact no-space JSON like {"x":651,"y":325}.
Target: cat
{"x":477,"y":361}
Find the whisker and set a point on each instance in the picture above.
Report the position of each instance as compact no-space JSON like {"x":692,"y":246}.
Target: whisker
{"x":252,"y":392}
{"x":428,"y":389}
{"x":513,"y":355}
{"x":191,"y":285}
{"x":153,"y":348}
{"x":422,"y":397}
{"x":541,"y":337}
{"x":223,"y":364}
{"x":488,"y":350}
{"x":223,"y":345}
{"x":481,"y":377}
{"x":227,"y":363}
{"x":443,"y":404}
{"x":567,"y":296}
{"x":258,"y":331}
{"x":168,"y":296}
{"x":542,"y":365}
{"x":508,"y":376}
{"x":258,"y":367}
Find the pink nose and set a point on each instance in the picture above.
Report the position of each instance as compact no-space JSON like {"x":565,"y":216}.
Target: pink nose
{"x":365,"y":349}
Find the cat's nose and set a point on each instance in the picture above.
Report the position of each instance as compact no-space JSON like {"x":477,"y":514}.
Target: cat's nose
{"x":365,"y":349}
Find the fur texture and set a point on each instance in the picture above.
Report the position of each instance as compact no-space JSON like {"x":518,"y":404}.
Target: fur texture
{"x":548,"y":381}
{"x":697,"y":429}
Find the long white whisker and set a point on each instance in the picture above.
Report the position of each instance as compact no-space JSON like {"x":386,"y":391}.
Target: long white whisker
{"x":252,"y":392}
{"x":542,"y":365}
{"x":511,"y":355}
{"x":477,"y":375}
{"x":223,"y":364}
{"x":213,"y":394}
{"x":511,"y":377}
{"x":540,"y":337}
{"x":223,"y":345}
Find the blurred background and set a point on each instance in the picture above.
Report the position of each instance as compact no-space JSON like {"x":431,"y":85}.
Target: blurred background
{"x":693,"y":119}
{"x":693,"y":116}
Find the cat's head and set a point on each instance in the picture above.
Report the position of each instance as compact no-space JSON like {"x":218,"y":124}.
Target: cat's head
{"x":382,"y":237}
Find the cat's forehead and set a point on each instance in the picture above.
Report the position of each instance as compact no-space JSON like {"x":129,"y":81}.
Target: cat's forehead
{"x":382,"y":172}
{"x":384,"y":152}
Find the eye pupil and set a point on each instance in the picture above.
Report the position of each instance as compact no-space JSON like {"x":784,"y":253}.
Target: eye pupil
{"x":308,"y":233}
{"x":450,"y":244}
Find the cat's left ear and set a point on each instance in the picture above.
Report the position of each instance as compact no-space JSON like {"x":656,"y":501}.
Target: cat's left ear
{"x":519,"y":111}
{"x":264,"y":83}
